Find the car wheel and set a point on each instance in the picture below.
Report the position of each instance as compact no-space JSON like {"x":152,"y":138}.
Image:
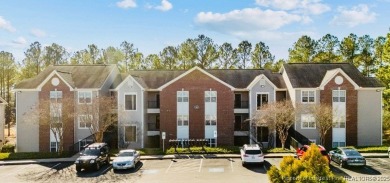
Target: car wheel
{"x":342,"y":164}
{"x":78,"y":169}
{"x":97,"y":166}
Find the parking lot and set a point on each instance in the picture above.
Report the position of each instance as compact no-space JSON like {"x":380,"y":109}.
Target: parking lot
{"x":180,"y":170}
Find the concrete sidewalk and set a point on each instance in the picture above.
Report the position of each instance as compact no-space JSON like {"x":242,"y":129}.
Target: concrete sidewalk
{"x":175,"y":156}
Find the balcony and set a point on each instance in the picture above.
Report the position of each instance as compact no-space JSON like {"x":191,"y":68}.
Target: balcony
{"x":153,"y":129}
{"x":153,"y":107}
{"x":241,"y":106}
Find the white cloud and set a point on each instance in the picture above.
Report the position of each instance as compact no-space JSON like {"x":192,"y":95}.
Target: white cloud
{"x":164,"y":6}
{"x":4,"y":24}
{"x":20,"y":41}
{"x":249,"y":19}
{"x":357,"y":15}
{"x":304,"y":6}
{"x":125,"y":4}
{"x":38,"y":33}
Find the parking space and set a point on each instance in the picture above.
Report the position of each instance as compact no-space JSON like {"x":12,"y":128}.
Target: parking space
{"x":180,"y":170}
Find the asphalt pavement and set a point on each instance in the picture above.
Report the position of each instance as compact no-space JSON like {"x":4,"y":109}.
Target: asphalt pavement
{"x":175,"y":156}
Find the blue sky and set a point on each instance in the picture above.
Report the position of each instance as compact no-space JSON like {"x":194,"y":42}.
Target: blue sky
{"x":152,"y":25}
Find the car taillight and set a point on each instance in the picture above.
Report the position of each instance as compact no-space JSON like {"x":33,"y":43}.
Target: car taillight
{"x":260,"y":155}
{"x":245,"y":155}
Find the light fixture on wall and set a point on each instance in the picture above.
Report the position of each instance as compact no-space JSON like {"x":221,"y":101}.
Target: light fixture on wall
{"x":196,"y":107}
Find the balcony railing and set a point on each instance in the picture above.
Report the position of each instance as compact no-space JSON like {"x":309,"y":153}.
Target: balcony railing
{"x":153,"y":104}
{"x":241,"y":104}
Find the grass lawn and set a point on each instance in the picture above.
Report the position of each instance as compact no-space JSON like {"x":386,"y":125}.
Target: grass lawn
{"x":31,"y":155}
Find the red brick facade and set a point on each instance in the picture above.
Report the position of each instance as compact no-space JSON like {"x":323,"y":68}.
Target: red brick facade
{"x":197,"y":83}
{"x":68,"y":123}
{"x":351,"y":109}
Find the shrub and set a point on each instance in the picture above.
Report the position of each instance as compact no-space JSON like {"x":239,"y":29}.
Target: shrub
{"x":8,"y":148}
{"x":313,"y":167}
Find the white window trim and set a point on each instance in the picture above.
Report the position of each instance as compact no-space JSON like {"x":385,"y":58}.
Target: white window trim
{"x":345,"y":97}
{"x":260,"y":93}
{"x":124,"y":100}
{"x":78,"y":97}
{"x":124,"y":134}
{"x":182,"y":121}
{"x":315,"y":93}
{"x":210,"y":96}
{"x":181,"y":94}
{"x":78,"y":121}
{"x":305,"y":128}
{"x":210,"y":119}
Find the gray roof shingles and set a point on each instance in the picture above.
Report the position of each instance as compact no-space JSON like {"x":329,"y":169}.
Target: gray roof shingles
{"x":310,"y":75}
{"x":153,"y":79}
{"x":77,"y":76}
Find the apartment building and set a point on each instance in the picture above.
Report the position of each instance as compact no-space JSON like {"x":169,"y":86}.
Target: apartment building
{"x":3,"y":104}
{"x":213,"y":104}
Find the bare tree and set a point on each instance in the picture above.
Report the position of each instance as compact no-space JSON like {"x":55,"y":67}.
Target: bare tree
{"x":323,"y":114}
{"x":97,"y":115}
{"x":55,"y":114}
{"x":278,"y":117}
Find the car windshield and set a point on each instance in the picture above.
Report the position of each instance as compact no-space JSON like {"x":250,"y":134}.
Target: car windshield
{"x":123,"y":154}
{"x":352,"y":153}
{"x":252,"y":152}
{"x":91,"y":152}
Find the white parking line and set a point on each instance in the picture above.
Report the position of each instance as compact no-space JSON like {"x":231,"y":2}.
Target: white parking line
{"x":200,"y":166}
{"x":55,"y":165}
{"x":166,"y":171}
{"x":231,"y":164}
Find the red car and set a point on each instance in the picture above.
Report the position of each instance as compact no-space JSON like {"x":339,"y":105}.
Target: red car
{"x":304,"y":148}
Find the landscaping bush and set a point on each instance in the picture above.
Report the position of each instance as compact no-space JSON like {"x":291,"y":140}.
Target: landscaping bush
{"x":210,"y":150}
{"x":8,"y":148}
{"x":313,"y":167}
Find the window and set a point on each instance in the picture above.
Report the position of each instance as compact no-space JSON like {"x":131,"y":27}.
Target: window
{"x":212,"y":142}
{"x":130,"y":134}
{"x":131,"y":102}
{"x":308,"y":121}
{"x":210,"y":96}
{"x":338,"y":95}
{"x":182,"y":120}
{"x":182,"y":96}
{"x":308,"y":96}
{"x":53,"y":146}
{"x":85,"y":121}
{"x":55,"y":96}
{"x":56,"y":112}
{"x":211,"y":120}
{"x":338,"y":144}
{"x":261,"y":100}
{"x":339,"y":121}
{"x":85,"y":97}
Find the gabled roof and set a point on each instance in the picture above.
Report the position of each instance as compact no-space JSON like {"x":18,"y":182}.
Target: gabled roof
{"x":191,"y":70}
{"x":311,"y":75}
{"x":2,"y":101}
{"x":76,"y":76}
{"x":241,"y":79}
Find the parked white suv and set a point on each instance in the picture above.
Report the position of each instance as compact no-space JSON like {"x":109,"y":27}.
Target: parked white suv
{"x":251,"y":153}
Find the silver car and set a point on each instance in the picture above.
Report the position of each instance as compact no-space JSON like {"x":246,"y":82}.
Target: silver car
{"x":347,"y":156}
{"x":126,"y":159}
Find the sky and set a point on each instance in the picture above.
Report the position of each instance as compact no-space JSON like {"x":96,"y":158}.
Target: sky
{"x":152,"y":25}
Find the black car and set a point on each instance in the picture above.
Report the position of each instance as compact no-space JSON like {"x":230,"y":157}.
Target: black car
{"x":93,"y":157}
{"x":347,"y":156}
